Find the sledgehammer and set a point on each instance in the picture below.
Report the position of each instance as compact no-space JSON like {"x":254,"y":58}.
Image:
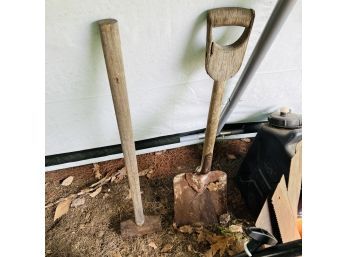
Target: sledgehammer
{"x":111,"y":43}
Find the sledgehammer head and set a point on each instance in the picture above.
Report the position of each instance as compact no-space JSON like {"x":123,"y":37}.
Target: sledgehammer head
{"x":151,"y":224}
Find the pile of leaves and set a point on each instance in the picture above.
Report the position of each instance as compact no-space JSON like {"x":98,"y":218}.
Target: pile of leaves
{"x":220,"y":239}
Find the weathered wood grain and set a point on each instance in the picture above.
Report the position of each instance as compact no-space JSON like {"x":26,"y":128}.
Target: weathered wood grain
{"x":222,"y":62}
{"x":111,"y":43}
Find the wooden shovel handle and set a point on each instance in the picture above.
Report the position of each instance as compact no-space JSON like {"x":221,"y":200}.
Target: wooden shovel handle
{"x":222,"y":62}
{"x":230,"y":16}
{"x":212,"y":125}
{"x":111,"y":43}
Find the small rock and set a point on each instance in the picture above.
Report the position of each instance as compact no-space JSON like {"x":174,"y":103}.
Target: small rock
{"x":224,"y":219}
{"x":77,"y":202}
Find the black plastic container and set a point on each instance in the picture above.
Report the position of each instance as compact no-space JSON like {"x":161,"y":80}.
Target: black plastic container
{"x":269,"y":158}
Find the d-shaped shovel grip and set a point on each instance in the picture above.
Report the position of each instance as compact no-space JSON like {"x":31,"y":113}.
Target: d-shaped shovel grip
{"x":222,"y":62}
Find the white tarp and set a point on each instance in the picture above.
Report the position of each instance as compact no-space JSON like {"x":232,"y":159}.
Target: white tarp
{"x":163,"y":44}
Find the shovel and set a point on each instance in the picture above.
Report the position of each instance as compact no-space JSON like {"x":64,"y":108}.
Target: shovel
{"x":201,"y":197}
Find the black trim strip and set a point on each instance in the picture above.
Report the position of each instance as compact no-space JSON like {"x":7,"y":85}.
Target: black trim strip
{"x":51,"y":160}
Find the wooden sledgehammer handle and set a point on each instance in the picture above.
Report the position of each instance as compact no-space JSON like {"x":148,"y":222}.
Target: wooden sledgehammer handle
{"x":111,"y":43}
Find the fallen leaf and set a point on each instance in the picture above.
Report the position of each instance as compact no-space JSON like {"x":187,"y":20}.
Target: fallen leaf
{"x":150,"y":173}
{"x":220,"y":245}
{"x":235,"y":229}
{"x":189,"y":248}
{"x":186,"y":229}
{"x":96,"y":192}
{"x":166,"y":248}
{"x":145,"y":172}
{"x":77,"y":202}
{"x":67,"y":181}
{"x":62,"y":208}
{"x":96,"y":169}
{"x":153,"y":245}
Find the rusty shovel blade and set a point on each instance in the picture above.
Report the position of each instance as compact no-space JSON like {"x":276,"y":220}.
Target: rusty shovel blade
{"x":199,"y":198}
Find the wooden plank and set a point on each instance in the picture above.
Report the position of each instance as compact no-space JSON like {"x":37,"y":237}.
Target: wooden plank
{"x":284,"y":213}
{"x":264,"y":218}
{"x":295,"y":178}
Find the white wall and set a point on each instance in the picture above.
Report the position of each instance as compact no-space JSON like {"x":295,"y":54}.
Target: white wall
{"x":163,"y":44}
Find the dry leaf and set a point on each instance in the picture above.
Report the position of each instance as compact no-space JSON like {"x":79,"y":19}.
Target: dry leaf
{"x":189,"y":248}
{"x":153,"y":245}
{"x":220,"y":245}
{"x":67,"y":181}
{"x":145,"y":172}
{"x":96,"y":169}
{"x":150,"y":173}
{"x":166,"y":248}
{"x":235,"y":229}
{"x":62,"y":208}
{"x":96,"y":192}
{"x":186,"y":229}
{"x":77,"y":202}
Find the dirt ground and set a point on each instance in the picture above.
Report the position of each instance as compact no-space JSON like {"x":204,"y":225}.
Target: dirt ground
{"x":93,"y":229}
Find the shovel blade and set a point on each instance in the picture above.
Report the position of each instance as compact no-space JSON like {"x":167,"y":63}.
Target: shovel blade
{"x":199,"y":199}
